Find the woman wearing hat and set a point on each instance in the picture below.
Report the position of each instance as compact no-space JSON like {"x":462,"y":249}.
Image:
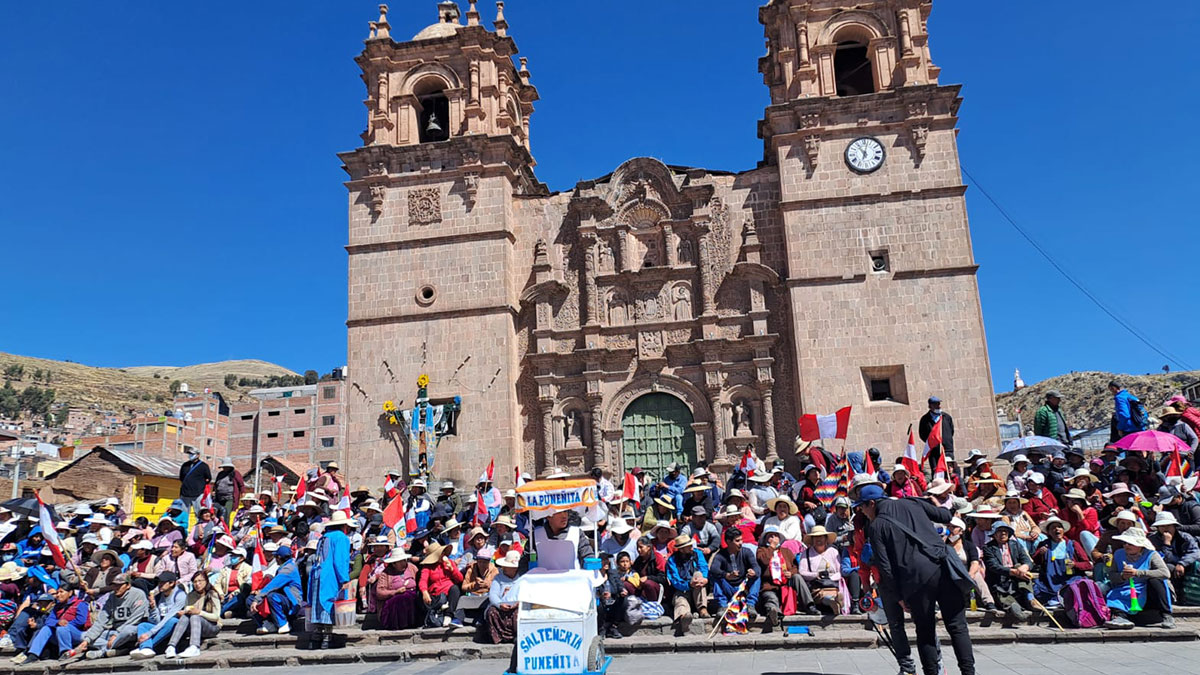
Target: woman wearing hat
{"x":1083,"y":479}
{"x":501,"y":614}
{"x":1025,"y":530}
{"x":1120,"y":498}
{"x":372,"y":566}
{"x":661,"y":509}
{"x":1018,"y":478}
{"x":982,"y":519}
{"x":1180,"y":552}
{"x":903,"y":484}
{"x":1060,"y":561}
{"x":820,"y":566}
{"x":687,"y":573}
{"x":968,"y":553}
{"x":1174,"y":424}
{"x":234,"y":583}
{"x":806,"y":494}
{"x":1008,"y":572}
{"x":783,"y":591}
{"x":330,"y":579}
{"x":440,"y":585}
{"x":395,"y":592}
{"x":282,"y":595}
{"x":101,"y":579}
{"x":1138,"y":568}
{"x":984,"y":487}
{"x":1082,"y":517}
{"x":477,"y":579}
{"x":165,"y":534}
{"x":785,"y":519}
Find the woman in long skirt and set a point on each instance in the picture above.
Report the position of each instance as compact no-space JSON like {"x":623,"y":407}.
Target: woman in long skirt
{"x":330,"y":572}
{"x":396,"y":596}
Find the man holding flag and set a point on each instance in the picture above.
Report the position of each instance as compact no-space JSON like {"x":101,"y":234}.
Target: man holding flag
{"x":939,"y":421}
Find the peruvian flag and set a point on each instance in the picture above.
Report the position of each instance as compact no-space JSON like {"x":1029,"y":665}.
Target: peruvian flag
{"x":491,"y":470}
{"x":394,"y":514}
{"x":818,"y":427}
{"x":911,"y":460}
{"x":206,"y":500}
{"x":278,"y":487}
{"x":749,"y":463}
{"x":390,"y":489}
{"x":631,"y":491}
{"x":1174,"y":470}
{"x":940,"y":471}
{"x":519,"y":480}
{"x":49,"y":534}
{"x":868,"y":465}
{"x":344,"y":505}
{"x":935,"y":438}
{"x":258,"y":564}
{"x":481,"y":510}
{"x":301,"y":489}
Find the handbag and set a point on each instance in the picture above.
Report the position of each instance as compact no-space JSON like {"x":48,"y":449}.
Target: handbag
{"x":343,"y":610}
{"x":951,"y":565}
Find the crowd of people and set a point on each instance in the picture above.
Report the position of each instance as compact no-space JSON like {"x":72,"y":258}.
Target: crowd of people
{"x":1111,"y":539}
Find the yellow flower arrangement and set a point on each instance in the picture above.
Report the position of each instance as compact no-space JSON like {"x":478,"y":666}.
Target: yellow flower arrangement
{"x":423,"y":380}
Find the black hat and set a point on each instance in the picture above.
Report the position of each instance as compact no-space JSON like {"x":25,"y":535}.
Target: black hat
{"x":164,"y":577}
{"x":699,"y":511}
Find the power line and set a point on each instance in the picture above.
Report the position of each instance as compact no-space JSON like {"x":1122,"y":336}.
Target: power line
{"x":1082,"y":289}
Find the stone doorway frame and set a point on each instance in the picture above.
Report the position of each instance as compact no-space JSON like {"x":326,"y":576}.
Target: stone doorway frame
{"x":614,"y":411}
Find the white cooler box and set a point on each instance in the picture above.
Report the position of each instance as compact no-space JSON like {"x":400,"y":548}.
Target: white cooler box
{"x":556,"y":624}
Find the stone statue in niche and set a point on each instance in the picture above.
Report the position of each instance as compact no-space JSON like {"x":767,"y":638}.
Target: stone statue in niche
{"x":604,"y":255}
{"x":650,"y":309}
{"x":573,"y":429}
{"x":681,"y":303}
{"x":741,"y":419}
{"x":685,"y":251}
{"x":617,"y":311}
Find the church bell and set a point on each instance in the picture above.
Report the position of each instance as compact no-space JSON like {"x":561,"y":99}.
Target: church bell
{"x":433,"y":127}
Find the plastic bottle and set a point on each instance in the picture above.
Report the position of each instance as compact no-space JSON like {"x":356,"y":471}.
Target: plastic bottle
{"x":974,"y":605}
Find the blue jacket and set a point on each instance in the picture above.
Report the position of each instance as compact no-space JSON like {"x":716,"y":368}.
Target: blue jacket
{"x":330,"y":570}
{"x":1123,"y":401}
{"x":679,"y":575}
{"x":286,"y":580}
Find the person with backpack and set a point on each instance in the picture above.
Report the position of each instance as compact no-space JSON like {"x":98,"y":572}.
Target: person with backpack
{"x":1060,"y":561}
{"x":1174,"y":424}
{"x":194,"y":475}
{"x":1129,"y":413}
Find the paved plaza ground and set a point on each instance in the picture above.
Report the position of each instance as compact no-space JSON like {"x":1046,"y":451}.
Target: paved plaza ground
{"x":1083,"y":659}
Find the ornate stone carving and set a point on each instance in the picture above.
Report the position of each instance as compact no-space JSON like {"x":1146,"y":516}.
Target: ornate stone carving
{"x":604,"y":257}
{"x":679,"y":336}
{"x":573,"y":429}
{"x":681,"y":302}
{"x":650,"y":344}
{"x":918,"y":109}
{"x":649,"y":307}
{"x":919,"y":134}
{"x":810,"y":120}
{"x":621,"y":341}
{"x":618,"y":309}
{"x":741,"y":419}
{"x":812,"y":147}
{"x":377,"y":168}
{"x":424,"y":206}
{"x":715,"y":250}
{"x":377,"y":193}
{"x":686,"y":251}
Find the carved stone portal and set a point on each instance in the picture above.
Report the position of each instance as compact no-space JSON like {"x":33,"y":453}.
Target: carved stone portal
{"x":424,"y":206}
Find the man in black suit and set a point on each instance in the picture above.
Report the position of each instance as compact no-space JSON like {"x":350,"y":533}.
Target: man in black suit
{"x":911,"y":555}
{"x":925,"y":426}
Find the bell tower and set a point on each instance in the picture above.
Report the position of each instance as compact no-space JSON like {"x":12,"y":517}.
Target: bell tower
{"x":881,"y":275}
{"x":434,"y":248}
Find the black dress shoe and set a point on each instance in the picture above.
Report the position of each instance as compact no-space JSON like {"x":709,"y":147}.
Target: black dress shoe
{"x":327,"y":641}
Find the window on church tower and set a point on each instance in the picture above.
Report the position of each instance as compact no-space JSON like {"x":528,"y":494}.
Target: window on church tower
{"x":434,"y":120}
{"x":852,"y":69}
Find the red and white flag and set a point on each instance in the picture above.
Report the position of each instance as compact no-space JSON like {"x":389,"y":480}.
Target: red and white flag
{"x":301,"y":489}
{"x":817,"y":427}
{"x":278,"y":479}
{"x":1174,"y":470}
{"x":410,"y":522}
{"x":491,"y":470}
{"x":49,"y":534}
{"x":911,"y":460}
{"x":869,"y":465}
{"x":940,"y":471}
{"x":935,"y":438}
{"x":389,"y":488}
{"x":206,"y":499}
{"x":481,"y":510}
{"x":395,"y":514}
{"x":258,"y":564}
{"x":749,"y":463}
{"x":631,"y":490}
{"x":344,"y":505}
{"x":520,"y":480}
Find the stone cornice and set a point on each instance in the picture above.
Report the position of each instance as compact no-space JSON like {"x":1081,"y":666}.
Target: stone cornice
{"x":434,"y":240}
{"x":873,"y":197}
{"x":429,"y":316}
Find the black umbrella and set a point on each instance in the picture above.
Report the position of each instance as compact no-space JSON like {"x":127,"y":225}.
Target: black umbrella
{"x":28,"y":506}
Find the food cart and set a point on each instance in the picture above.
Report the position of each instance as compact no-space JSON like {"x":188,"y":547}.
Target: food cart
{"x":557,"y":620}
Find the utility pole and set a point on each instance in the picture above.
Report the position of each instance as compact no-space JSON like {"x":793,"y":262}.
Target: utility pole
{"x":16,"y":481}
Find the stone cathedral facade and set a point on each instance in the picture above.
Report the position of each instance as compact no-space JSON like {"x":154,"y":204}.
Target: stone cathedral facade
{"x":661,"y":313}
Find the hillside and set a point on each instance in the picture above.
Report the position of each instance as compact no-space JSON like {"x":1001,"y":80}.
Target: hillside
{"x":1086,"y":400}
{"x":133,"y":388}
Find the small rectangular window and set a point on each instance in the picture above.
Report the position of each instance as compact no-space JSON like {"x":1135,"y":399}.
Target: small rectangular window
{"x":327,"y":420}
{"x":247,"y":418}
{"x":298,"y":434}
{"x":150,"y":494}
{"x":881,"y":390}
{"x":326,"y":442}
{"x":329,"y":392}
{"x":885,"y":384}
{"x":299,"y":411}
{"x":272,"y":413}
{"x":273,"y":434}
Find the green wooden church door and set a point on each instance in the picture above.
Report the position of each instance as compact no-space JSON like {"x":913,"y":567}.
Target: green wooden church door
{"x":658,"y":431}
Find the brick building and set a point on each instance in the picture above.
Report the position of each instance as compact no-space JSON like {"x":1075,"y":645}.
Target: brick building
{"x":662,"y":313}
{"x":197,"y":421}
{"x":305,"y":423}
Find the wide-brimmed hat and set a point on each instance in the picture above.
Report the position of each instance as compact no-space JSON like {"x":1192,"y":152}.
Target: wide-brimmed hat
{"x":396,"y":555}
{"x":698,"y":487}
{"x":1165,"y":495}
{"x":318,"y":495}
{"x":511,"y":560}
{"x":734,"y":492}
{"x":361,"y":490}
{"x":451,"y":524}
{"x":1082,"y":472}
{"x":939,"y":486}
{"x":958,"y":522}
{"x":1000,"y":525}
{"x":899,"y":468}
{"x":419,"y":483}
{"x":664,"y":502}
{"x":683,"y":541}
{"x":1019,"y":498}
{"x":380,"y":540}
{"x":226,"y":541}
{"x":339,"y":518}
{"x":761,"y":477}
{"x":863,"y":479}
{"x":1075,"y":493}
{"x":819,"y":531}
{"x":1018,"y":459}
{"x":1168,"y":411}
{"x":96,"y":519}
{"x":505,"y":520}
{"x":985,"y":510}
{"x":1118,"y":489}
{"x":699,"y":471}
{"x":476,"y":532}
{"x":143,"y":545}
{"x":1165,"y":518}
{"x":620,"y":526}
{"x":772,"y":503}
{"x":433,"y":553}
{"x":332,"y":465}
{"x":728,"y":512}
{"x":841,"y":501}
{"x":11,"y":571}
{"x":1123,"y":514}
{"x":1135,"y":536}
{"x":988,"y":478}
{"x":226,"y":464}
{"x":1054,"y":520}
{"x":555,"y":473}
{"x":664,"y":525}
{"x":1037,"y":478}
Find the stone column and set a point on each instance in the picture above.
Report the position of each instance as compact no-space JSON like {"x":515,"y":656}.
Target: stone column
{"x":626,"y":259}
{"x":720,"y":415}
{"x":597,"y":433}
{"x":769,"y":425}
{"x":705,"y":297}
{"x":669,"y":243}
{"x":825,"y":73}
{"x":548,"y":445}
{"x":592,"y":311}
{"x":905,"y":34}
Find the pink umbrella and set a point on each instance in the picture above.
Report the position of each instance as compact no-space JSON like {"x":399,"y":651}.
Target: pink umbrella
{"x":1152,"y":441}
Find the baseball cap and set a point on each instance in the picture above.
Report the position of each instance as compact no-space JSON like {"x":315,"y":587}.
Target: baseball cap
{"x":869,"y":493}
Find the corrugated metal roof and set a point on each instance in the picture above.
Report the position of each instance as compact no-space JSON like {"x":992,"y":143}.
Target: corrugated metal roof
{"x":153,"y":466}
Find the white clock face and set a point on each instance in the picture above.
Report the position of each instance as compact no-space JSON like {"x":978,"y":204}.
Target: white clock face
{"x":865,"y":154}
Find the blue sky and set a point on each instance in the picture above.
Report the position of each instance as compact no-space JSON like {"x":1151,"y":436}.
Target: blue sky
{"x":170,"y":194}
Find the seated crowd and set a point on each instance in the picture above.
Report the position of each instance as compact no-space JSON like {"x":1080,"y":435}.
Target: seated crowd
{"x":1112,"y":540}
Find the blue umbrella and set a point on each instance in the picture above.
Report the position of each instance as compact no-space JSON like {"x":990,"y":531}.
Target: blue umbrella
{"x":1025,"y":444}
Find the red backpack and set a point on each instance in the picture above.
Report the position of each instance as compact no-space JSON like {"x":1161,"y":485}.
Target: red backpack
{"x":1191,"y":417}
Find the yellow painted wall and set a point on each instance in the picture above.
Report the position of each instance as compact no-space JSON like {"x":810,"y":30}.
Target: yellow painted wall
{"x":168,"y":491}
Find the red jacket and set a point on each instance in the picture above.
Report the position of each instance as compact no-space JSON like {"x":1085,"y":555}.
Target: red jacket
{"x":437,"y":579}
